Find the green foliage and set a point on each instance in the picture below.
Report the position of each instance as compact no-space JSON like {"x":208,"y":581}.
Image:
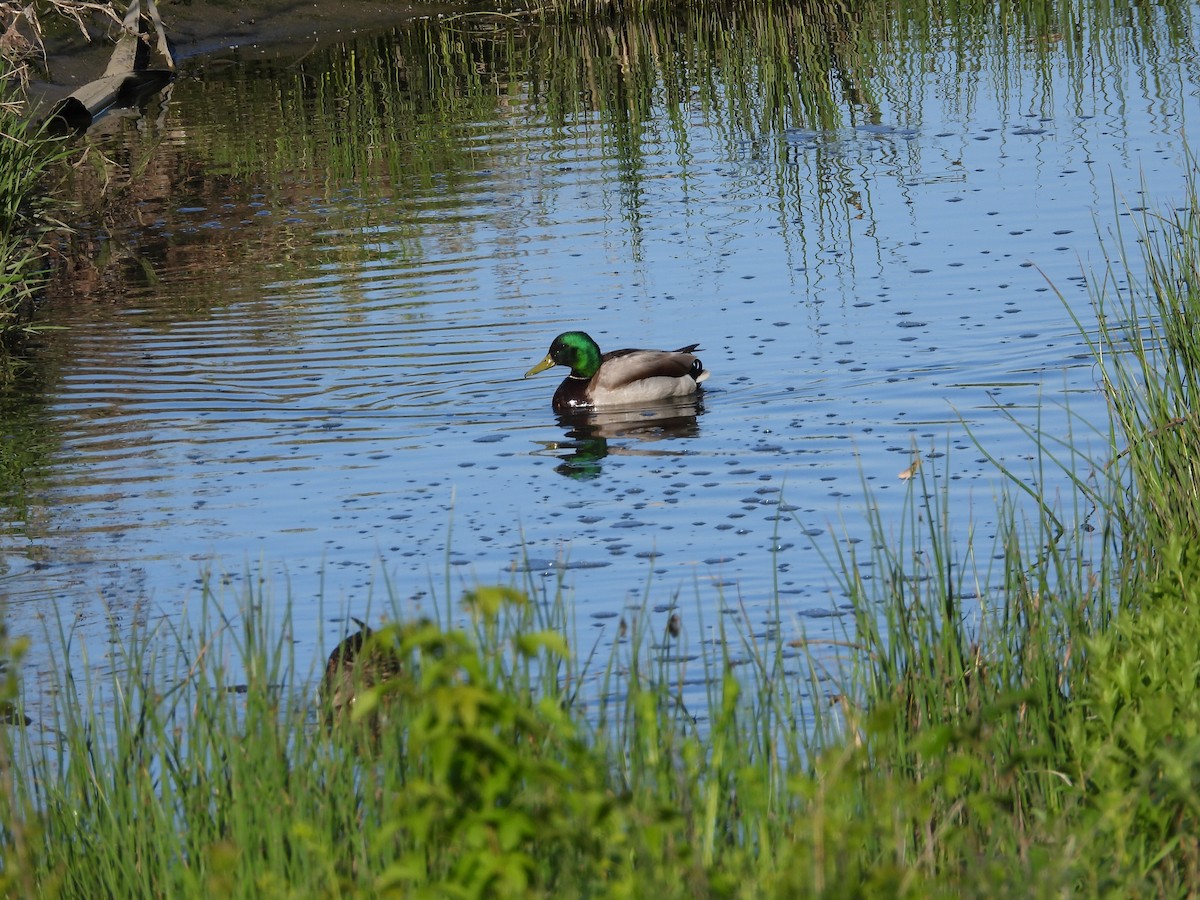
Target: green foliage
{"x":484,"y":781}
{"x":1134,"y":738}
{"x":1137,"y":728}
{"x":1150,"y":350}
{"x":499,"y":782}
{"x":26,"y":154}
{"x":956,"y":709}
{"x":18,"y":826}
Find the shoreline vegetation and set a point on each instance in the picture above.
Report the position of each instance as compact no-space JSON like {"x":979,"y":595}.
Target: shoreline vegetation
{"x":1023,"y":726}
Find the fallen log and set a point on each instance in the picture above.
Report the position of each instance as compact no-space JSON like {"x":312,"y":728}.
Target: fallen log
{"x":126,"y":81}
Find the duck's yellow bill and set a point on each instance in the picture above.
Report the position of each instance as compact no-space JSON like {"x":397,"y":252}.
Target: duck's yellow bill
{"x":547,"y":363}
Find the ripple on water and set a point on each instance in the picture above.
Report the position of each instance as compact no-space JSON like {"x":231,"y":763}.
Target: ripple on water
{"x":343,"y":401}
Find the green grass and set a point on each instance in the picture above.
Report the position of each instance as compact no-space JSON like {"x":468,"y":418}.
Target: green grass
{"x":27,"y":154}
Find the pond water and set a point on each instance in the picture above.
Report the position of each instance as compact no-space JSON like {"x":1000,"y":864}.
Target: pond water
{"x":290,"y":357}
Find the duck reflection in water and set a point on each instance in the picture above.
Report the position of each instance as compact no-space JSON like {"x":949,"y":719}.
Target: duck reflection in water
{"x":589,"y":432}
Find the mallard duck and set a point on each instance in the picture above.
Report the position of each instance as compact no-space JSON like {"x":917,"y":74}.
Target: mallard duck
{"x":619,"y":377}
{"x":356,"y":664}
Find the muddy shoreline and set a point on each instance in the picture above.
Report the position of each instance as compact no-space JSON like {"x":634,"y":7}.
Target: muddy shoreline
{"x":207,"y":31}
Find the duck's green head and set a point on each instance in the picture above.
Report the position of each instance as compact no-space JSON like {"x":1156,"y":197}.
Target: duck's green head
{"x":573,"y":349}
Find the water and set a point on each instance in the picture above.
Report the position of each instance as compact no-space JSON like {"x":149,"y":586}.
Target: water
{"x":291,"y":361}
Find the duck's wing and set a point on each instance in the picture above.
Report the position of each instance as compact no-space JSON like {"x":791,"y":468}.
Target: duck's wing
{"x":621,"y":368}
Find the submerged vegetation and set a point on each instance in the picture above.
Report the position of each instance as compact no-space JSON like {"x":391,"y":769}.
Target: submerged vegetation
{"x":1031,"y":730}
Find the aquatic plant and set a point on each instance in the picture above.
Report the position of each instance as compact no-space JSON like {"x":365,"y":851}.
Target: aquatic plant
{"x":27,"y":154}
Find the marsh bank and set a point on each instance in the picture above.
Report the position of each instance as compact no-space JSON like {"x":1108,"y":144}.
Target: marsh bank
{"x":206,"y":33}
